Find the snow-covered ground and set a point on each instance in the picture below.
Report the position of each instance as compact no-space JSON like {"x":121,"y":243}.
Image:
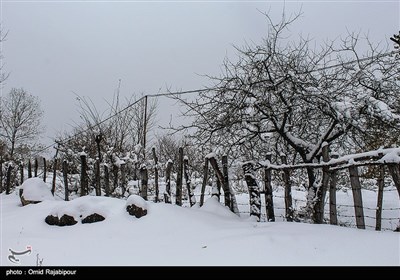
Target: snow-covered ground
{"x":172,"y":235}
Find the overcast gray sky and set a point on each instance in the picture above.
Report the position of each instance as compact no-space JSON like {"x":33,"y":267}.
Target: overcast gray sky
{"x":55,"y":48}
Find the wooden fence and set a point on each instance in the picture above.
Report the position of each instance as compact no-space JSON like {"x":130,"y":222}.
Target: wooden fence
{"x":116,"y":176}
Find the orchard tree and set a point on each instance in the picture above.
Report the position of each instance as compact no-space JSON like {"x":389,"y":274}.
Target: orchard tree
{"x":20,"y":122}
{"x":289,"y":96}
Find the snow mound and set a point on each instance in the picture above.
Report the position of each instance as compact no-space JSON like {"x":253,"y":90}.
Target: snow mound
{"x":213,"y":206}
{"x":136,"y":206}
{"x":82,"y":207}
{"x":34,"y":190}
{"x":136,"y":200}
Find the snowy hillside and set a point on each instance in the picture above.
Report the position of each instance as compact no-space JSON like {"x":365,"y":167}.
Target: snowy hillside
{"x":172,"y":235}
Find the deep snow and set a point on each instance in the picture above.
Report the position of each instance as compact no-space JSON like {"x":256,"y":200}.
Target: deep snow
{"x":172,"y":235}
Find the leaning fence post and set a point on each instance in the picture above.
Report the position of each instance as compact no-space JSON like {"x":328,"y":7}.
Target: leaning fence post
{"x":332,"y":194}
{"x":357,"y":196}
{"x":269,"y":200}
{"x":254,"y":191}
{"x":288,"y":191}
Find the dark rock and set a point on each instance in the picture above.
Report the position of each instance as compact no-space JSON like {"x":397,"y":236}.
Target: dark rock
{"x":67,"y":220}
{"x":93,"y":218}
{"x":52,"y":220}
{"x":136,"y":211}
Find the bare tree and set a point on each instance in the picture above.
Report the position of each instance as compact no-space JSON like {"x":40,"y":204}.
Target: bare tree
{"x":286,"y":95}
{"x":3,"y":75}
{"x":20,"y":119}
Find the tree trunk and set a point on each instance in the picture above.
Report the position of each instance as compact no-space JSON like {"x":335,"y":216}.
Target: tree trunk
{"x":167,"y":194}
{"x":106,"y":180}
{"x":269,"y":200}
{"x":254,"y":191}
{"x":144,"y":180}
{"x":231,"y":203}
{"x":53,"y":183}
{"x":204,"y":183}
{"x":65,"y":177}
{"x":192,"y":198}
{"x":357,"y":197}
{"x":97,"y":177}
{"x":153,"y":150}
{"x":288,"y":192}
{"x":84,"y":179}
{"x":179,"y":178}
{"x":44,"y":170}
{"x":381,"y":184}
{"x":321,"y":191}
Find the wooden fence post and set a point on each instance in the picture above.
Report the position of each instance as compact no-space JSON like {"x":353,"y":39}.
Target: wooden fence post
{"x":29,"y":168}
{"x":332,"y":194}
{"x":21,"y":172}
{"x":179,"y":178}
{"x":65,"y":177}
{"x":84,"y":179}
{"x":395,"y":172}
{"x":289,"y":214}
{"x":254,"y":191}
{"x":115,"y":171}
{"x":44,"y":170}
{"x":155,"y":158}
{"x":226,"y":175}
{"x":204,"y":183}
{"x":381,"y":184}
{"x":144,"y":180}
{"x":8,"y":178}
{"x":36,"y":167}
{"x":1,"y":175}
{"x":53,"y":183}
{"x":106,"y":180}
{"x":97,"y":177}
{"x":321,"y":191}
{"x":167,"y":193}
{"x":192,"y":198}
{"x":269,"y":199}
{"x":123,"y":182}
{"x":357,"y":196}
